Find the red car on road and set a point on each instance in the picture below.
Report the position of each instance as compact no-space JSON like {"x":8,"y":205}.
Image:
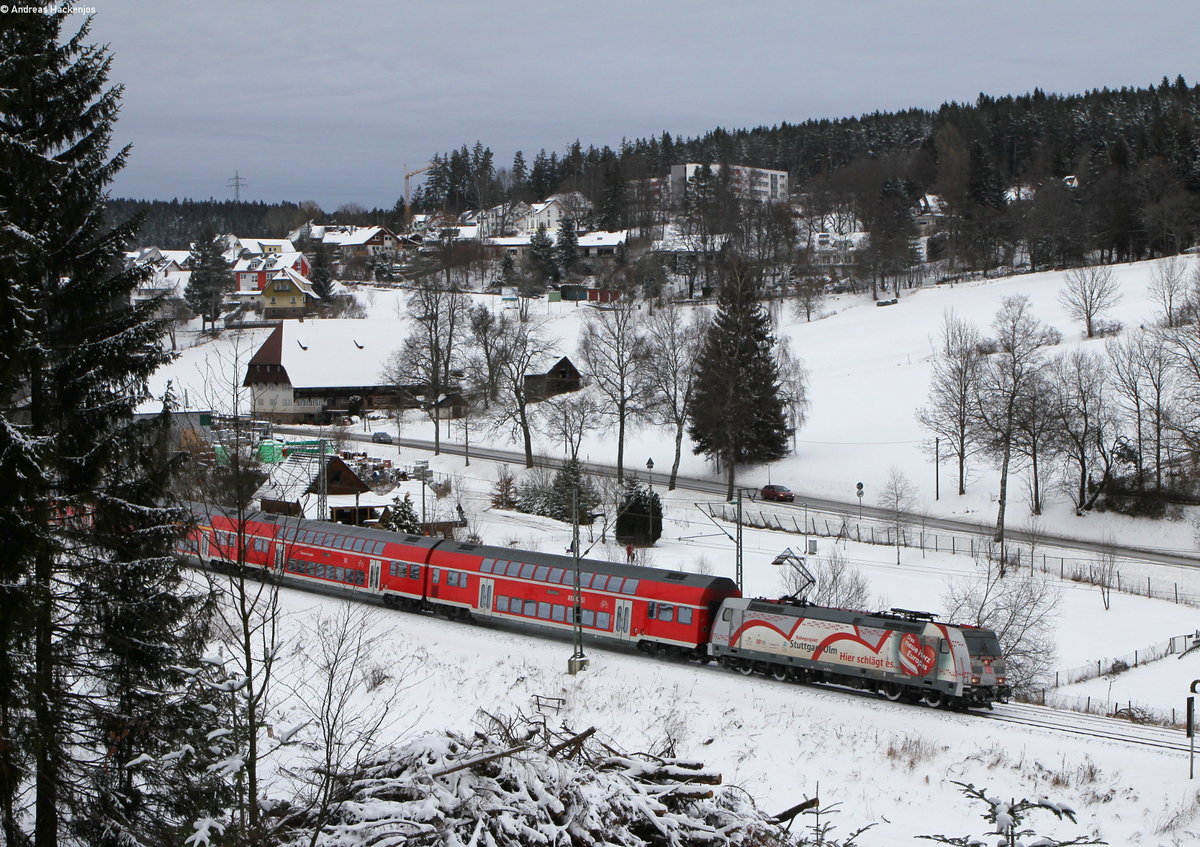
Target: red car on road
{"x":778,"y":493}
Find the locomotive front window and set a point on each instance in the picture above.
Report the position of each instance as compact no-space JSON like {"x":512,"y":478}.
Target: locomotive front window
{"x":727,"y":615}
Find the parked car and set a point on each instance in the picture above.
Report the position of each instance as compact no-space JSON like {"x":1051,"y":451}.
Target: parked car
{"x":778,"y":493}
{"x":382,"y":437}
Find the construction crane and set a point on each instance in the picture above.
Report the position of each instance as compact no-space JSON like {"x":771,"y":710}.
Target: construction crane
{"x":408,"y":193}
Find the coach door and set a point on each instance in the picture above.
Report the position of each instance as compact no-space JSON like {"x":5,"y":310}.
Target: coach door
{"x":279,"y":556}
{"x":203,"y":547}
{"x":624,"y":612}
{"x":376,"y":564}
{"x":485,"y":596}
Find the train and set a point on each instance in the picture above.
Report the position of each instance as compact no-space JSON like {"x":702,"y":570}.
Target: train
{"x":901,"y":655}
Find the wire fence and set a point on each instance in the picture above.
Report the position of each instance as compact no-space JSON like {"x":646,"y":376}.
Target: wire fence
{"x":1177,"y":645}
{"x":1105,"y":707}
{"x":845,"y":525}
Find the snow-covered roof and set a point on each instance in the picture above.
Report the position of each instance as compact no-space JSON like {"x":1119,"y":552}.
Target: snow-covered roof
{"x":346,"y":236}
{"x":260,"y":245}
{"x":268,"y":261}
{"x":675,"y":240}
{"x":603,"y":239}
{"x":333,"y":353}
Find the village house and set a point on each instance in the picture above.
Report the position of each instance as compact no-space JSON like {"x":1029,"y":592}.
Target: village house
{"x":317,"y":371}
{"x":551,"y":375}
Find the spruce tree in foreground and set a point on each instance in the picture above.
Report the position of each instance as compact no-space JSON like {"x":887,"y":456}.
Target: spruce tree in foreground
{"x":98,"y":726}
{"x":738,"y":416}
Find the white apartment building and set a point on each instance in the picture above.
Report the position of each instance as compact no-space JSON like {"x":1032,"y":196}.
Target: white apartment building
{"x":761,"y":184}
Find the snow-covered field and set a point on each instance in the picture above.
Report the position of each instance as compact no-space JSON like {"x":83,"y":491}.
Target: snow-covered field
{"x":885,"y":763}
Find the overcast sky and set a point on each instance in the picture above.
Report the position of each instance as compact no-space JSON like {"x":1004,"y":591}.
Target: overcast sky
{"x":328,"y":101}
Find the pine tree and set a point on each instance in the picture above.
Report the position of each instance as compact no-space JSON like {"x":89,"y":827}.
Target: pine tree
{"x":738,"y":413}
{"x":322,"y":270}
{"x":401,"y":516}
{"x":94,"y":624}
{"x":614,"y":205}
{"x":541,"y":257}
{"x":210,"y":278}
{"x":639,"y":520}
{"x":566,"y":247}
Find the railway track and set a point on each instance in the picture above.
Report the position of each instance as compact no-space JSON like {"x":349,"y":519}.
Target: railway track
{"x":1091,"y":726}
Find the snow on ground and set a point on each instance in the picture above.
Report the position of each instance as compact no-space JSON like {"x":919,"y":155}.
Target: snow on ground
{"x":885,"y":763}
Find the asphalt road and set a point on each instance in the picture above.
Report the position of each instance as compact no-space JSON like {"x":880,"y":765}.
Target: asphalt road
{"x":710,"y":487}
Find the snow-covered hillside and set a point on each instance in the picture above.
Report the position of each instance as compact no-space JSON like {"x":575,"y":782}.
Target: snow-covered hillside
{"x":886,"y":763}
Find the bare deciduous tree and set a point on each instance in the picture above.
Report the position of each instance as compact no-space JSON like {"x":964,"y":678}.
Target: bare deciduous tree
{"x":521,"y":345}
{"x":838,"y":583}
{"x":1005,"y":387}
{"x":613,"y":347}
{"x":1168,"y":289}
{"x":673,"y":344}
{"x":569,"y":418}
{"x":1102,"y":572}
{"x":952,"y":391}
{"x":899,"y":499}
{"x":1085,"y":413}
{"x":1020,"y":608}
{"x":431,"y":353}
{"x":1088,"y":293}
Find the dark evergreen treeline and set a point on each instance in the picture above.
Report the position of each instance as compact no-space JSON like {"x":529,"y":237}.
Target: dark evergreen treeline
{"x":175,"y":224}
{"x":1134,"y":153}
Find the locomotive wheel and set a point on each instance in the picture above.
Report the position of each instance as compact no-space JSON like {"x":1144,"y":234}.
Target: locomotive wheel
{"x":892,"y":691}
{"x":932,"y":699}
{"x":779,"y":673}
{"x":746,"y":668}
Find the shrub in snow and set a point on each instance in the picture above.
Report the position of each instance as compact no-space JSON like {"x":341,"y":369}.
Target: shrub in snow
{"x":520,"y":784}
{"x":1008,"y":817}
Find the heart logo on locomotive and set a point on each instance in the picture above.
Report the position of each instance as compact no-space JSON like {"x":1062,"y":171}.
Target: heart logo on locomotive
{"x":916,"y":659}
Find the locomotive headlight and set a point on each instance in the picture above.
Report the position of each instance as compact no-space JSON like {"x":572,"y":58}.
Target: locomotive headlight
{"x":975,"y":680}
{"x":1000,"y":680}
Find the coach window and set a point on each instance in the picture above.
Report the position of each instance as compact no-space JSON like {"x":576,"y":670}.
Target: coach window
{"x":603,"y":620}
{"x":531,"y":608}
{"x":685,"y":616}
{"x":437,"y":575}
{"x":501,"y":603}
{"x":556,"y":575}
{"x":486,"y":565}
{"x":527,"y":571}
{"x":652,"y":610}
{"x":559,"y":613}
{"x":540,"y":573}
{"x":585,"y":579}
{"x":599,"y":581}
{"x":666,"y":613}
{"x":630,"y":587}
{"x":452,"y":578}
{"x":589,"y":618}
{"x":544,"y":610}
{"x":514,"y":568}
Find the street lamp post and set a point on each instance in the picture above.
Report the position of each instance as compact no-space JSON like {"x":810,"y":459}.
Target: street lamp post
{"x":650,"y":502}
